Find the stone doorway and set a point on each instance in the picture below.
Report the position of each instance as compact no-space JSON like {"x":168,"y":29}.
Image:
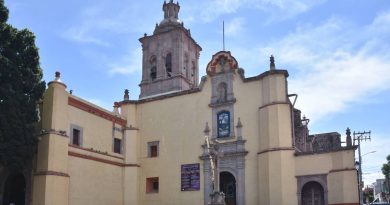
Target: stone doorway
{"x":228,"y":187}
{"x":312,"y":194}
{"x":15,"y":190}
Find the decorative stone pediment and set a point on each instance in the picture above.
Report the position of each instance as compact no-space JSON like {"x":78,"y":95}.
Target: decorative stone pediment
{"x":221,"y":62}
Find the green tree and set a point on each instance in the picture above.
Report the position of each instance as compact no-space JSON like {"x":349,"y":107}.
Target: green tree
{"x":368,"y":193}
{"x":21,"y":87}
{"x":386,"y":172}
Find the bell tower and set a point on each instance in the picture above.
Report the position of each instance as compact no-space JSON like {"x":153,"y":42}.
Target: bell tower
{"x":170,"y":61}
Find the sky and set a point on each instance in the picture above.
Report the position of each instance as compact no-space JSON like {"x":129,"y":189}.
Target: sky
{"x":336,"y":52}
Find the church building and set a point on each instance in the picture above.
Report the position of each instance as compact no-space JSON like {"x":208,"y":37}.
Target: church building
{"x":152,"y":150}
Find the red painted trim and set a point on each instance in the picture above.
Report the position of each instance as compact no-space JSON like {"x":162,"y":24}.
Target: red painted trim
{"x":274,"y":103}
{"x":88,"y":108}
{"x":345,"y":204}
{"x":94,"y":151}
{"x":54,"y":132}
{"x":83,"y":156}
{"x":131,"y":165}
{"x":276,"y":149}
{"x":53,"y":173}
{"x":342,"y":170}
{"x":211,"y":66}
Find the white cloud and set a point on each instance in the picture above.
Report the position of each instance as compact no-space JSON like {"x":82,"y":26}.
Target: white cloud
{"x":82,"y":34}
{"x":120,"y":18}
{"x":131,"y":62}
{"x":276,"y":10}
{"x":372,"y":162}
{"x":335,"y":67}
{"x":235,"y":26}
{"x":213,"y":9}
{"x":279,"y":10}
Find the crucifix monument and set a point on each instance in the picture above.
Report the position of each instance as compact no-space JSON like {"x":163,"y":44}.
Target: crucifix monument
{"x":217,"y":197}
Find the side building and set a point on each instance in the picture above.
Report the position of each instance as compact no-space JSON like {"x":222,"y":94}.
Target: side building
{"x":152,"y":150}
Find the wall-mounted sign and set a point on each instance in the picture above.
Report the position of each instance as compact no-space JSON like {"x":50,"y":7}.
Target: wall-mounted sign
{"x":190,"y":177}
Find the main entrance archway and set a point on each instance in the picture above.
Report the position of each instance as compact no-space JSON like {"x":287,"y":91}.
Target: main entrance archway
{"x":312,"y":194}
{"x":15,"y":190}
{"x":227,"y":185}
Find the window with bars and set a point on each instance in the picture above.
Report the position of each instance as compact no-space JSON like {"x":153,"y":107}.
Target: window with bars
{"x":153,"y":149}
{"x":76,"y":135}
{"x":117,"y":145}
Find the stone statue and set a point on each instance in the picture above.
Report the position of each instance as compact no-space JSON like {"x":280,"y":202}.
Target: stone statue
{"x":222,"y":93}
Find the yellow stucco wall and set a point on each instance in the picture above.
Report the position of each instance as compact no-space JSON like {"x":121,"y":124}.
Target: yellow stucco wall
{"x":341,"y":174}
{"x":97,"y":131}
{"x":88,"y":178}
{"x":246,"y":108}
{"x":178,"y":123}
{"x":94,"y":183}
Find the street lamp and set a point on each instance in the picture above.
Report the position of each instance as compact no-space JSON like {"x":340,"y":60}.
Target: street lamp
{"x":368,"y":153}
{"x":357,"y":165}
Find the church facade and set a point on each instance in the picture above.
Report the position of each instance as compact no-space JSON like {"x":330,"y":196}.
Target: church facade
{"x":152,"y":150}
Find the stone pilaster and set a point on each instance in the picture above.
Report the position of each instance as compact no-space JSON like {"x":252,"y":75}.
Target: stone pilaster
{"x":276,"y":166}
{"x":51,"y":179}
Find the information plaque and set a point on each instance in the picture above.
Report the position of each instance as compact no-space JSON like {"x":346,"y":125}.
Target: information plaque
{"x":190,"y":177}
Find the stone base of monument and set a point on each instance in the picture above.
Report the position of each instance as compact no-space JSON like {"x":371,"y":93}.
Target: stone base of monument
{"x":217,"y":198}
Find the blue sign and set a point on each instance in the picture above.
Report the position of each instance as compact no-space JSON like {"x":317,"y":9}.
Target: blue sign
{"x":190,"y":177}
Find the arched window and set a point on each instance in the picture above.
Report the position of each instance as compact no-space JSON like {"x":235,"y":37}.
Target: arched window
{"x":168,"y":64}
{"x":222,"y":92}
{"x":312,"y":194}
{"x":223,"y":124}
{"x":153,"y":67}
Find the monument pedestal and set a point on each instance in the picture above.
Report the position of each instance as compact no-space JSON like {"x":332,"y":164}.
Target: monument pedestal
{"x":217,"y":198}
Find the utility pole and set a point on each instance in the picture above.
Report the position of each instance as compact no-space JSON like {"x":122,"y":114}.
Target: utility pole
{"x":360,"y":136}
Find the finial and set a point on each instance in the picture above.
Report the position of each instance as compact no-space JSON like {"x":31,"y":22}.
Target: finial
{"x":239,"y":124}
{"x":71,"y":92}
{"x":171,"y":1}
{"x":272,"y":63}
{"x":58,"y":75}
{"x":126,"y":96}
{"x":206,"y":129}
{"x":348,"y":139}
{"x":165,"y":2}
{"x":57,"y":79}
{"x":348,"y":132}
{"x":116,"y":108}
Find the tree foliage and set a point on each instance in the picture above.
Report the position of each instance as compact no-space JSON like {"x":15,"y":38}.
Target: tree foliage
{"x":21,"y":87}
{"x":386,"y":172}
{"x":386,"y":167}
